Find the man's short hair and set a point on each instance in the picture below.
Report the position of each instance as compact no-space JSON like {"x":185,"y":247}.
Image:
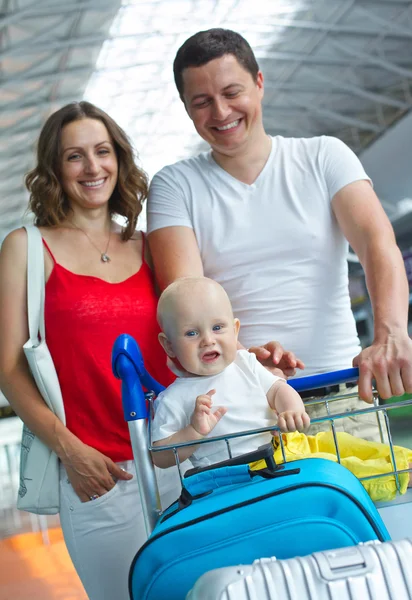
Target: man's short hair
{"x":204,"y":46}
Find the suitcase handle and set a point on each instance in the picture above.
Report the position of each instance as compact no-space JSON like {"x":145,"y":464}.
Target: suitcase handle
{"x":205,"y":482}
{"x":264,"y":452}
{"x":311,"y":382}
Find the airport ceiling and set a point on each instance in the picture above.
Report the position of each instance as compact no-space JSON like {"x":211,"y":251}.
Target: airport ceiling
{"x":335,"y":67}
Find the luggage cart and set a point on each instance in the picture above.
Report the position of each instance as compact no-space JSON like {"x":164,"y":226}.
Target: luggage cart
{"x":128,"y":365}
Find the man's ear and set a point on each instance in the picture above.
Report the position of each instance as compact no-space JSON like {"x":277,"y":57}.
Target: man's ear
{"x":236,"y":324}
{"x":260,"y":84}
{"x":166,"y":345}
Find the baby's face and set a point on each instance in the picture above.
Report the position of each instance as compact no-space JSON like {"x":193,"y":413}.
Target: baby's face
{"x":203,"y":335}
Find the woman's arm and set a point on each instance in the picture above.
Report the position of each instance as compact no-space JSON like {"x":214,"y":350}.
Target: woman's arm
{"x":89,"y":471}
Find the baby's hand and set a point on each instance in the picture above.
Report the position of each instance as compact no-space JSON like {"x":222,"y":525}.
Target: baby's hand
{"x":293,"y":420}
{"x":203,"y":419}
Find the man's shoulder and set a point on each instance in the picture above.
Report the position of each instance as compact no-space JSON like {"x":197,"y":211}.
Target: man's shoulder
{"x":301,"y":142}
{"x":308,"y":148}
{"x":185,"y":166}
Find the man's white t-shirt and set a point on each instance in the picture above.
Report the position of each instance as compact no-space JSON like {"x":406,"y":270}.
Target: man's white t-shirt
{"x":275,"y":246}
{"x":241,"y":387}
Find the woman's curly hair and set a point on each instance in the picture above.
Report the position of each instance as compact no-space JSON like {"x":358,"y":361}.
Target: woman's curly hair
{"x":48,"y":201}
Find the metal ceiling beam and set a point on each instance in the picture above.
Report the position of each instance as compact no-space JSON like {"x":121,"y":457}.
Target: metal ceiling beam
{"x":373,"y":60}
{"x":303,"y":88}
{"x":24,"y":104}
{"x":402,"y":33}
{"x":26,"y":46}
{"x":385,"y":2}
{"x":11,"y":133}
{"x":64,"y":58}
{"x":7,"y":174}
{"x":360,"y":92}
{"x":14,"y":191}
{"x":369,"y":15}
{"x":44,"y":45}
{"x":339,"y":117}
{"x":50,"y":76}
{"x":47,"y":76}
{"x":51,"y":9}
{"x":13,"y":151}
{"x":305,"y":58}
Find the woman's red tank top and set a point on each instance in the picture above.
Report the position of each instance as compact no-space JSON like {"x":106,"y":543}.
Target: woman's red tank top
{"x":83,"y":317}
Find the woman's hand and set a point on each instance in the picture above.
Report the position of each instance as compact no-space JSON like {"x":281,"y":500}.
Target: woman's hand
{"x":91,"y":473}
{"x":280,"y":362}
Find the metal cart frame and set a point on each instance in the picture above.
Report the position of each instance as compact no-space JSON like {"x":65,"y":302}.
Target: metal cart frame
{"x":127,"y":364}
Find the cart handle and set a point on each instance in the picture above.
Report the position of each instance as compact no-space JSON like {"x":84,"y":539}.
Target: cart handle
{"x":311,"y":382}
{"x":128,"y":365}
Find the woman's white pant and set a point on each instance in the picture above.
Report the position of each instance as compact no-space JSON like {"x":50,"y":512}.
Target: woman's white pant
{"x":103,"y":535}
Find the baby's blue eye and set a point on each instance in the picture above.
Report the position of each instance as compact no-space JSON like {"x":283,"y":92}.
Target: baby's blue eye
{"x":217,"y":327}
{"x":191,"y":333}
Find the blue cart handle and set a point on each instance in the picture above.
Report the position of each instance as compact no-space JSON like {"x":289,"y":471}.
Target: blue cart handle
{"x":311,"y":382}
{"x":128,"y":365}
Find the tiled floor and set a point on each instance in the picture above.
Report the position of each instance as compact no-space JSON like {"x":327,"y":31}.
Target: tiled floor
{"x":29,"y":569}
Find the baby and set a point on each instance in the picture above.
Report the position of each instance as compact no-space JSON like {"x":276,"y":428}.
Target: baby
{"x":226,"y":390}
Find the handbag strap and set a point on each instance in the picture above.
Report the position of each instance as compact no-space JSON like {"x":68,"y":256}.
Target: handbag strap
{"x":35,"y":284}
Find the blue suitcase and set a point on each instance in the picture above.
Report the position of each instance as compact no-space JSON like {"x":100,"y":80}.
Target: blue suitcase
{"x":230,"y":515}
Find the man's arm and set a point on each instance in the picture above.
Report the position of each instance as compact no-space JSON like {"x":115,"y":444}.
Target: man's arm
{"x":175,"y":254}
{"x":369,"y":232}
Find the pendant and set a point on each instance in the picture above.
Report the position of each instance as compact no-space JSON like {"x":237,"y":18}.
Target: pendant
{"x":105,"y":258}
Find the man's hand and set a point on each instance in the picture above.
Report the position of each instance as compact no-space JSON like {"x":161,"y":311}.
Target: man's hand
{"x":389,"y":362}
{"x":293,"y":420}
{"x":279,"y":361}
{"x":203,"y":419}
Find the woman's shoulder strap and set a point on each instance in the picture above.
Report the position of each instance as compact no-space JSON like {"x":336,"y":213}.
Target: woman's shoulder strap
{"x":49,"y":251}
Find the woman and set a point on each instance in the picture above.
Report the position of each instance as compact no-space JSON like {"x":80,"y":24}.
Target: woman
{"x":98,"y":285}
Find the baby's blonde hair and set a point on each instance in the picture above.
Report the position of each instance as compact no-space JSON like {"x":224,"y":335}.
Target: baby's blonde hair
{"x":172,"y":294}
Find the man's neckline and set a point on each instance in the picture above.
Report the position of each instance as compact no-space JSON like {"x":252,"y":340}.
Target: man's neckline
{"x":228,"y":174}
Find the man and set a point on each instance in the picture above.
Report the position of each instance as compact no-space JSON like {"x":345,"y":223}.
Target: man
{"x":270,"y":219}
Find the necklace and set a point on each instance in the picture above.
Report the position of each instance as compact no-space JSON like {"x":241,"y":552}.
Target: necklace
{"x":104,"y":257}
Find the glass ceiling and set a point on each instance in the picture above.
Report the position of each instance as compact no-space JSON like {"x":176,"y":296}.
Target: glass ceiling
{"x":133,"y":80}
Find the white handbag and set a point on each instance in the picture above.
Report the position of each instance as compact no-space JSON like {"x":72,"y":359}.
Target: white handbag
{"x":39,"y":490}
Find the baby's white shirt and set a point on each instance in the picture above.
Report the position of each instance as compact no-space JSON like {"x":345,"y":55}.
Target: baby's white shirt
{"x":241,"y":388}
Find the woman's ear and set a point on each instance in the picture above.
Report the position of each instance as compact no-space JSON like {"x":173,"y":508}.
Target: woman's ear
{"x":166,"y":345}
{"x":236,"y":324}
